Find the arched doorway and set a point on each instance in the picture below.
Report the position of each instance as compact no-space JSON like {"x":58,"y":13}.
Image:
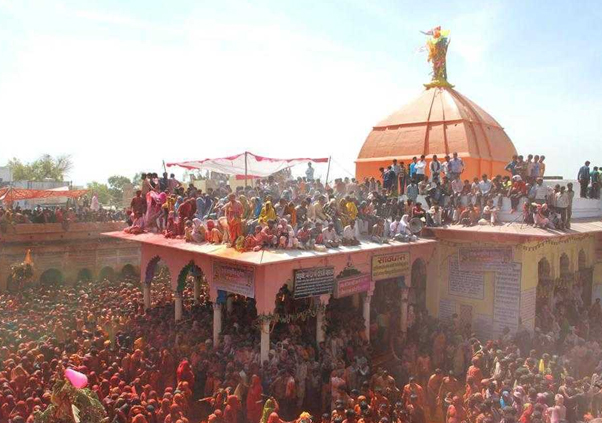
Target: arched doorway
{"x":128,"y":271}
{"x":51,"y":277}
{"x":417,"y":297}
{"x":158,"y":277}
{"x":565,"y":266}
{"x":84,"y":275}
{"x":106,"y":273}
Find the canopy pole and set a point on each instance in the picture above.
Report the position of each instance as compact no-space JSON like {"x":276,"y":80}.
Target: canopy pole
{"x":246,"y":171}
{"x":328,"y":170}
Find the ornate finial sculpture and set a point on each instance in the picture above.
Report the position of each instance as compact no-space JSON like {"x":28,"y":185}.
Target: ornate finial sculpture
{"x":436,"y":45}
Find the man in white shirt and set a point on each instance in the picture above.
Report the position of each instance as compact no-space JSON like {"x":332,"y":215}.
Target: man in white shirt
{"x":350,"y":234}
{"x":309,"y":172}
{"x":484,"y":190}
{"x":542,"y":192}
{"x":330,"y":237}
{"x":445,"y":167}
{"x":562,"y":204}
{"x":420,"y":169}
{"x":435,"y":169}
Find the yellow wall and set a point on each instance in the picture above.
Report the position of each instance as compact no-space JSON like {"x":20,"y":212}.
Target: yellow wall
{"x":528,"y":255}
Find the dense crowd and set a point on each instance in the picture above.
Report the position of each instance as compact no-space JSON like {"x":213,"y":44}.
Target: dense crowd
{"x":146,"y":368}
{"x":303,"y":213}
{"x":90,"y":210}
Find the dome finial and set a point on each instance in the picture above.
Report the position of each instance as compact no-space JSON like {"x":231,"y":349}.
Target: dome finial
{"x":437,"y":44}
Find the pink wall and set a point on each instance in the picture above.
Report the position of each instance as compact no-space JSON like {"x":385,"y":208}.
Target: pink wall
{"x":270,"y":277}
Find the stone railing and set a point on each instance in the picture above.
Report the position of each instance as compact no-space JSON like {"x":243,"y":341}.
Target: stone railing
{"x":51,"y":231}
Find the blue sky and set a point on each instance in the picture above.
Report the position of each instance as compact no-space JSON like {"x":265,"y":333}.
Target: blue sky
{"x":123,"y":85}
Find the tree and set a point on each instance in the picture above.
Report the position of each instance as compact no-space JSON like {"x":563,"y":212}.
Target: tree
{"x":116,"y":185}
{"x":101,"y":190}
{"x":44,"y":168}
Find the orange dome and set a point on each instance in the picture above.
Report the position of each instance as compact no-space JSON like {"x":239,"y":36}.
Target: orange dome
{"x":440,"y":121}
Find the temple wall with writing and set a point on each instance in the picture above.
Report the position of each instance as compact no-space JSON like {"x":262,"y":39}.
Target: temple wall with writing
{"x":527,"y":255}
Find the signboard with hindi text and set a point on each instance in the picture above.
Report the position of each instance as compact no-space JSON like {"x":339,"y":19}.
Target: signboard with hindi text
{"x":465,"y":284}
{"x":484,"y":259}
{"x":506,"y":303}
{"x":447,"y":308}
{"x":234,"y":278}
{"x":313,"y":282}
{"x":345,"y":287}
{"x":527,"y":307}
{"x":388,"y":266}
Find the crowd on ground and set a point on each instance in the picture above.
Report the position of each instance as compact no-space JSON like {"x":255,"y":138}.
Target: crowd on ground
{"x":146,"y":368}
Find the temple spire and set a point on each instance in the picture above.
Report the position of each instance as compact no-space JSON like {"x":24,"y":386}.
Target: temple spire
{"x":436,"y":45}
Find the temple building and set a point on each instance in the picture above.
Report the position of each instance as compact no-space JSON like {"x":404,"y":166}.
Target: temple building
{"x":439,"y":122}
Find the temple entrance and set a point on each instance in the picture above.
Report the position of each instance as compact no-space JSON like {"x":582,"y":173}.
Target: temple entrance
{"x":51,"y":277}
{"x":385,"y":313}
{"x":158,"y":277}
{"x":106,"y":273}
{"x":84,"y":275}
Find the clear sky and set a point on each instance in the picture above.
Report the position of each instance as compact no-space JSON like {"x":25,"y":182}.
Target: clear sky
{"x":123,"y":84}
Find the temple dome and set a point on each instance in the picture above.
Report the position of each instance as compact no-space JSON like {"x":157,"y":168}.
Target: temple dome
{"x":440,"y":121}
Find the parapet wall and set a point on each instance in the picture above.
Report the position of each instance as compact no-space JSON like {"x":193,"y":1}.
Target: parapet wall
{"x":75,"y":251}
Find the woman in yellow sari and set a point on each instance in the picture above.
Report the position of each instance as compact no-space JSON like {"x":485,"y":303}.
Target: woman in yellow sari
{"x":344,"y":213}
{"x":351,"y":209}
{"x":267,"y":213}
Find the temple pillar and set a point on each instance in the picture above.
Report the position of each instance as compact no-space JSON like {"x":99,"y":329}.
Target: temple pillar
{"x":265,"y":340}
{"x":146,"y":291}
{"x":217,"y":323}
{"x":322,"y":301}
{"x":178,"y":305}
{"x":366,"y":312}
{"x":404,"y":309}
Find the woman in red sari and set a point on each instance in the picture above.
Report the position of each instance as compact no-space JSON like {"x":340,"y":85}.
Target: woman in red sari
{"x":254,"y":402}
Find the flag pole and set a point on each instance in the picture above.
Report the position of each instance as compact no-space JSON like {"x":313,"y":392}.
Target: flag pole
{"x":328,"y":170}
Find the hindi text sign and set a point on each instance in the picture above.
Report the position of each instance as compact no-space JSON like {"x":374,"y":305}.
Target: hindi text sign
{"x":484,"y":259}
{"x":464,"y":283}
{"x":506,"y":304}
{"x":389,"y":266}
{"x":313,"y":282}
{"x":345,"y":287}
{"x":234,"y":278}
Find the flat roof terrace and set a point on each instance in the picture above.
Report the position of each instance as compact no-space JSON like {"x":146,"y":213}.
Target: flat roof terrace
{"x":263,"y":257}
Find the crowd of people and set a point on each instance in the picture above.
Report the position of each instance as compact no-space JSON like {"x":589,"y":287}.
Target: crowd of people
{"x":146,"y":368}
{"x":304,"y":213}
{"x":90,"y":210}
{"x":453,"y":200}
{"x":297,"y":213}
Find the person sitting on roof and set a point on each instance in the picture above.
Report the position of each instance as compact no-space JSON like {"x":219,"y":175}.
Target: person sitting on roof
{"x":350,"y":235}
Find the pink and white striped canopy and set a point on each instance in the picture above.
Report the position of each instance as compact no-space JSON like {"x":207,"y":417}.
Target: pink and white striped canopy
{"x":257,"y":166}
